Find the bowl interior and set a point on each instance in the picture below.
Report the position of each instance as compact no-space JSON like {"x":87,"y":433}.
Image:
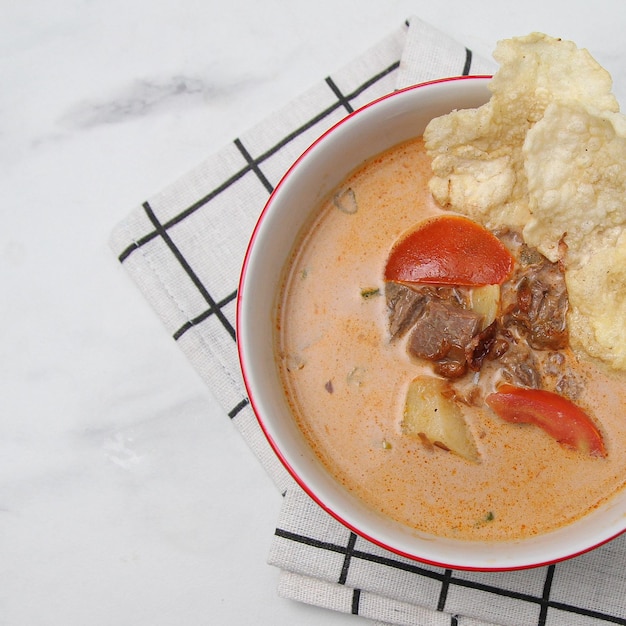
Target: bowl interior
{"x":316,"y":173}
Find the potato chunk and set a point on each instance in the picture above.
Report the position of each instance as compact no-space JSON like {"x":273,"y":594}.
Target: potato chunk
{"x":436,"y":418}
{"x":486,"y":302}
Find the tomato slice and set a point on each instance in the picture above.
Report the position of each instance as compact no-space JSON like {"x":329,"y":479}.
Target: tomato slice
{"x":449,"y":250}
{"x":558,"y":416}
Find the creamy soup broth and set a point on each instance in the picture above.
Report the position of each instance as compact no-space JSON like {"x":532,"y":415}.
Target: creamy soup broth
{"x":347,"y":383}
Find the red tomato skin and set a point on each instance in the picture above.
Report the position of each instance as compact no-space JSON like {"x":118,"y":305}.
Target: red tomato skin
{"x":449,"y":250}
{"x":559,"y":417}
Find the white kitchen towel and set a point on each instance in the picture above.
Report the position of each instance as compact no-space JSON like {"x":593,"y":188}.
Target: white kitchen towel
{"x":184,"y":248}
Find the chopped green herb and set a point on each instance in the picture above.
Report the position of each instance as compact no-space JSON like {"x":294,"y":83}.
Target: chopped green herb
{"x":488,"y":517}
{"x":386,"y":445}
{"x":370,"y":292}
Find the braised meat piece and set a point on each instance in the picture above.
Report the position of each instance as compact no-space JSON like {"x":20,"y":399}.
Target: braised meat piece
{"x":548,"y":311}
{"x":442,"y":333}
{"x":404,"y":307}
{"x":519,"y":365}
{"x":453,"y":365}
{"x":568,"y":383}
{"x":483,"y":345}
{"x":540,"y":306}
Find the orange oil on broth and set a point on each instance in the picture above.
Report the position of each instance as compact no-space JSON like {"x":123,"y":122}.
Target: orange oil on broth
{"x":346,"y":384}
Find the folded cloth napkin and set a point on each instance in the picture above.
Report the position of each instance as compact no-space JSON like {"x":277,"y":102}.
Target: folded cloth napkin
{"x":184,"y":248}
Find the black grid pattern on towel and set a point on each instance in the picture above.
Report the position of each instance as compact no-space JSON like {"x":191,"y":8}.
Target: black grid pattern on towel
{"x":548,"y":608}
{"x":538,"y":606}
{"x":215,"y":307}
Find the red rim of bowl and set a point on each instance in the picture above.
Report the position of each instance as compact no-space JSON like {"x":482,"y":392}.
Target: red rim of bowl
{"x":276,"y":449}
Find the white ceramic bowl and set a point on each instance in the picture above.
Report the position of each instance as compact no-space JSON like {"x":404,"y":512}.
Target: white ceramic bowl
{"x":322,"y":167}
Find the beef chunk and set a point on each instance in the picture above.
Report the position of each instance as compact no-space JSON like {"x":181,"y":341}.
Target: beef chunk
{"x":548,"y":308}
{"x":568,"y":382}
{"x":540,"y":304}
{"x":520,"y":366}
{"x":441,"y":326}
{"x":404,"y":306}
{"x":570,"y":386}
{"x":481,"y":346}
{"x":453,"y":365}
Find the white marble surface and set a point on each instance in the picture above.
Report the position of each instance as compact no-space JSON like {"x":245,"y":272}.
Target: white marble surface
{"x":126,"y":496}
